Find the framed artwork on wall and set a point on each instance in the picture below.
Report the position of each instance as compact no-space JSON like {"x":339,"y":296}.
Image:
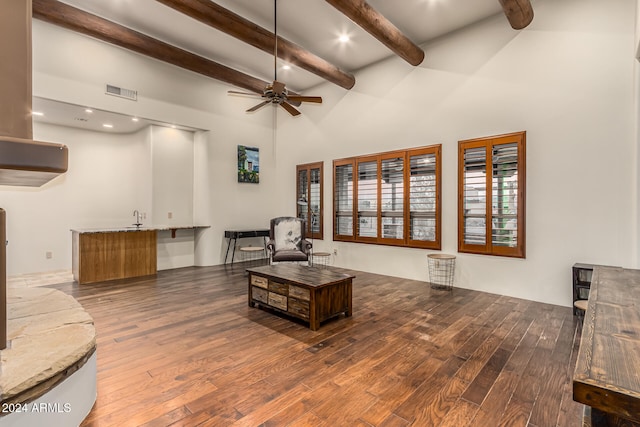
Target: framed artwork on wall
{"x":248,"y":164}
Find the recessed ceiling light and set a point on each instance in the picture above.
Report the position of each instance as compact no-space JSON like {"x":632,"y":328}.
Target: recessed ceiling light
{"x":286,"y":67}
{"x":88,"y":110}
{"x":106,"y":125}
{"x":37,"y":113}
{"x":134,"y":119}
{"x":344,"y":38}
{"x":173,"y":126}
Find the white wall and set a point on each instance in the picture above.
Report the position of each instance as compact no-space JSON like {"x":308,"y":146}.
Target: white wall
{"x":172,"y":166}
{"x":172,"y":175}
{"x":567,"y":80}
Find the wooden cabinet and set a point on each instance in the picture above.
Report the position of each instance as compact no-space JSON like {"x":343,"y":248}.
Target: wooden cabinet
{"x":582,"y":274}
{"x":102,"y":256}
{"x":307,"y":293}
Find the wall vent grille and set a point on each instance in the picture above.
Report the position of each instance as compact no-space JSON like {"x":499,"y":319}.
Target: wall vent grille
{"x":122,"y":93}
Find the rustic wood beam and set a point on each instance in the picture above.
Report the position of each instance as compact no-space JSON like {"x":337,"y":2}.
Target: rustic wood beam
{"x":58,"y":13}
{"x":519,"y":12}
{"x":214,"y":15}
{"x":360,"y":12}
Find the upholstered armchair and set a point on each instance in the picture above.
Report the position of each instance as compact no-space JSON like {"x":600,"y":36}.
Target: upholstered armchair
{"x":287,"y":242}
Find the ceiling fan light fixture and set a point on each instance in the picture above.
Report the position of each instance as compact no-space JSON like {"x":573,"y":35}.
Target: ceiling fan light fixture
{"x":276,"y":93}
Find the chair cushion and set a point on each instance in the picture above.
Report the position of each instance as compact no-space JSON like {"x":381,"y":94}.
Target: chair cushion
{"x":287,"y":234}
{"x":289,"y":255}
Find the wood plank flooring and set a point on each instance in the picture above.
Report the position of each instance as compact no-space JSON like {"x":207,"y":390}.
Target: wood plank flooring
{"x":185,"y":349}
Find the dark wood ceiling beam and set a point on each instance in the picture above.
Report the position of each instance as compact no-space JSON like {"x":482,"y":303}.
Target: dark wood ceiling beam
{"x":518,"y":12}
{"x":66,"y":16}
{"x":360,"y":12}
{"x":216,"y":16}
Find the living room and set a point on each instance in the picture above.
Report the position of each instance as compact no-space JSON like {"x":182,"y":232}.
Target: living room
{"x":569,"y":80}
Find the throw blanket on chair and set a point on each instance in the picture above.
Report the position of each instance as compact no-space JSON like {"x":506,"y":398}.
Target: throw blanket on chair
{"x":287,"y":234}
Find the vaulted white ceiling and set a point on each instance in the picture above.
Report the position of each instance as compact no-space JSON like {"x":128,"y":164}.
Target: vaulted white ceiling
{"x":313,"y":24}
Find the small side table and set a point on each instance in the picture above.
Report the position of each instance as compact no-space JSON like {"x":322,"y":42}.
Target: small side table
{"x":580,"y":307}
{"x":320,"y":258}
{"x":251,"y":253}
{"x":441,"y":271}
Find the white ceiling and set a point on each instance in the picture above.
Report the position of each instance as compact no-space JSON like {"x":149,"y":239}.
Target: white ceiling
{"x":82,"y":117}
{"x":315,"y":25}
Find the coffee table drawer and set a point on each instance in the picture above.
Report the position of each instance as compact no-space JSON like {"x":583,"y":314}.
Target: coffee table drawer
{"x":262,"y":282}
{"x":298,"y":292}
{"x":261,"y":295}
{"x":278,"y":301}
{"x":299,"y":308}
{"x":281,"y":288}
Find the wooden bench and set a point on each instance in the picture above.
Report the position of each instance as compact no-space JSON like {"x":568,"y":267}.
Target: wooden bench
{"x":606,"y":375}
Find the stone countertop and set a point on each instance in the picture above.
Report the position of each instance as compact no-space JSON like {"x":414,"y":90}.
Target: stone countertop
{"x":49,"y":332}
{"x":134,"y":228}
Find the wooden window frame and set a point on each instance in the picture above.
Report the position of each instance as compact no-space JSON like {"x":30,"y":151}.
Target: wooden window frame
{"x":308,"y":167}
{"x":518,"y":251}
{"x":406,"y":240}
{"x":336,"y":236}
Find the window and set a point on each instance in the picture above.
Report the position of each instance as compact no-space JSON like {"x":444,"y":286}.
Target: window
{"x":390,"y":198}
{"x":491,"y":207}
{"x":309,"y":198}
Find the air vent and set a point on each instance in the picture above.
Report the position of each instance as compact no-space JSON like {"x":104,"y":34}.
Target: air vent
{"x":122,"y":93}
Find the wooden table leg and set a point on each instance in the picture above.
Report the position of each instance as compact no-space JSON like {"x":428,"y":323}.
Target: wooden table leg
{"x":349,"y":299}
{"x":313,"y":311}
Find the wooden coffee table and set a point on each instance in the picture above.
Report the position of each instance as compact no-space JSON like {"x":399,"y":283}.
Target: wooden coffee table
{"x":309,"y":293}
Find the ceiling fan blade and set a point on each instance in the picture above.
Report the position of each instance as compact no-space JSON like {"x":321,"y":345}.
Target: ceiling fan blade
{"x":256,"y":107}
{"x":289,"y":108}
{"x":316,"y":99}
{"x":235,"y":92}
{"x":278,"y":87}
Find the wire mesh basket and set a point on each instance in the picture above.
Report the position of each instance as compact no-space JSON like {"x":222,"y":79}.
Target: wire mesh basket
{"x":320,"y":259}
{"x":441,"y":271}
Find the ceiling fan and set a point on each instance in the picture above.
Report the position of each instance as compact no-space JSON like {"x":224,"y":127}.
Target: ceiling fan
{"x":276,"y":92}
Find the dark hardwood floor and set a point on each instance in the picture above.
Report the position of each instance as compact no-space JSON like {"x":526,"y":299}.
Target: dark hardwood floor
{"x":184,"y":349}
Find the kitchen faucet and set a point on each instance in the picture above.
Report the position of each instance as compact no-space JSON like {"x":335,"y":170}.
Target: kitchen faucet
{"x":137,"y":215}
